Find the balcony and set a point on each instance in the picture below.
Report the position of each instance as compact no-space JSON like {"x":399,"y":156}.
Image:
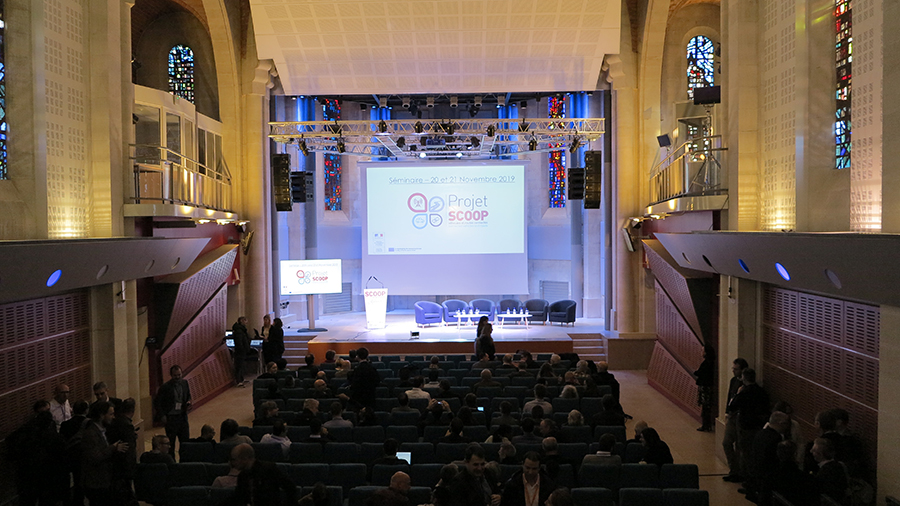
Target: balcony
{"x":689,"y":178}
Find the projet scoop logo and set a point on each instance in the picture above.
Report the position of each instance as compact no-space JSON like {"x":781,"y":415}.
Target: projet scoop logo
{"x":425,"y":211}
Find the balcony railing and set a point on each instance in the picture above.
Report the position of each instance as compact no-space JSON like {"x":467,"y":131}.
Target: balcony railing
{"x":693,"y":169}
{"x":165,"y":176}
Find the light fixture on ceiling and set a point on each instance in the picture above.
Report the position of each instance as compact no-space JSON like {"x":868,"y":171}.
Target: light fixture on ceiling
{"x":474,"y":110}
{"x":532,"y":144}
{"x":335,"y":128}
{"x":429,"y":102}
{"x":454,"y":101}
{"x":406,"y":102}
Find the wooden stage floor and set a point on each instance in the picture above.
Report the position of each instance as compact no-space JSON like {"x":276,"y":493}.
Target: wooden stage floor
{"x":348,"y":331}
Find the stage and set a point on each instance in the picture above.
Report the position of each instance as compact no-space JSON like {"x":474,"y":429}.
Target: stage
{"x":348,"y":331}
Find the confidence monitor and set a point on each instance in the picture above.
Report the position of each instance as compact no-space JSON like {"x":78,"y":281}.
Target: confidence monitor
{"x":445,"y":228}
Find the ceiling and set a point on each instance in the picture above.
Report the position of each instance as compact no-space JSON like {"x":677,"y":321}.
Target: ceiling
{"x":448,"y":46}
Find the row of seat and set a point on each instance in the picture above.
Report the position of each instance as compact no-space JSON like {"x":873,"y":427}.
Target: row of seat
{"x":432,"y":433}
{"x":155,"y":478}
{"x":582,"y":496}
{"x":340,"y":453}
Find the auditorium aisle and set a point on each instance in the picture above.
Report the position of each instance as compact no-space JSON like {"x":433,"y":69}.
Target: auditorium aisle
{"x":639,"y":400}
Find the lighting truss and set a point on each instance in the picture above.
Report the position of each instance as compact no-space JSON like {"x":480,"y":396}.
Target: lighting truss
{"x":470,"y":138}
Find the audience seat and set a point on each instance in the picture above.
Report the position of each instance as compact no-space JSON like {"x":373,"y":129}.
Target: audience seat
{"x":634,"y":453}
{"x":307,"y":475}
{"x":346,"y":476}
{"x":640,"y":497}
{"x":566,"y":476}
{"x":575,"y":434}
{"x":197,"y":452}
{"x":151,"y":482}
{"x":335,"y":495}
{"x":593,"y":496}
{"x":679,"y":476}
{"x":371,"y":434}
{"x":369,"y":452}
{"x":478,"y":433}
{"x":187,"y":496}
{"x":340,"y":453}
{"x":595,"y":475}
{"x":213,"y":471}
{"x":573,"y":452}
{"x":564,"y":405}
{"x":188,"y":474}
{"x":448,"y":452}
{"x":425,"y":475}
{"x":298,"y":434}
{"x":220,"y":496}
{"x":615,"y":430}
{"x":341,"y":434}
{"x":562,"y":311}
{"x":422,"y":453}
{"x":402,"y":433}
{"x":639,"y":476}
{"x":269,"y":452}
{"x":359,"y":496}
{"x":405,"y":417}
{"x":433,"y":433}
{"x":590,"y":406}
{"x":306,"y":453}
{"x":381,"y":473}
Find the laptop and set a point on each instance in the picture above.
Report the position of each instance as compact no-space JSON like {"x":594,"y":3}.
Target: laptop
{"x":407,"y":456}
{"x":229,"y":343}
{"x":256,"y":343}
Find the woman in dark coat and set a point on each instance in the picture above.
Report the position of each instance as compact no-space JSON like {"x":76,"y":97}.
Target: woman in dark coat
{"x":704,"y":377}
{"x":273,"y":347}
{"x":485,"y":343}
{"x":657,"y":451}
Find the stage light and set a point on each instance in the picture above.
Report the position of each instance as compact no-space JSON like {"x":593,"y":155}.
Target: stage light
{"x":382,"y":126}
{"x":418,"y":127}
{"x":490,"y":130}
{"x":335,"y":128}
{"x":383,"y":102}
{"x":474,"y":110}
{"x":340,"y":146}
{"x":532,"y":144}
{"x":523,"y":104}
{"x":477,"y":100}
{"x":423,"y":141}
{"x":454,"y":101}
{"x":576,"y":143}
{"x":401,"y":142}
{"x":459,"y":155}
{"x":406,"y":102}
{"x":303,"y":148}
{"x":429,"y":102}
{"x":422,"y":154}
{"x":475,"y":142}
{"x":501,"y":101}
{"x":523,"y":125}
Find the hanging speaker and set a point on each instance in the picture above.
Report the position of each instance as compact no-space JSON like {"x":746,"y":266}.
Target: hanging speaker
{"x":576,"y":183}
{"x":593,"y":177}
{"x":281,"y":181}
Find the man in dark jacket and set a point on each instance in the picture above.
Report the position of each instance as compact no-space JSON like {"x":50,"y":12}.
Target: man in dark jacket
{"x":751,"y":406}
{"x":241,"y":348}
{"x":763,"y":458}
{"x":260,"y":483}
{"x":528,"y":485}
{"x":123,"y":464}
{"x":474,"y":485}
{"x":729,"y":441}
{"x":363,"y":381}
{"x":97,"y":454}
{"x":172,"y":403}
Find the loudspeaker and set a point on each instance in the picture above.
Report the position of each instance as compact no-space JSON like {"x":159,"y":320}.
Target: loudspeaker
{"x":576,"y":183}
{"x":664,"y":140}
{"x":707,"y":95}
{"x":281,"y":181}
{"x":302,"y":184}
{"x":593,"y":178}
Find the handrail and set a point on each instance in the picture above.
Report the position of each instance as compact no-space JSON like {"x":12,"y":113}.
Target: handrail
{"x":690,"y":169}
{"x":164,"y":175}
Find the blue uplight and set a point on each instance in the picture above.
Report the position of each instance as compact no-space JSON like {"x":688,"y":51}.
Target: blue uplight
{"x":54,"y":277}
{"x":782,"y":271}
{"x":743,"y":266}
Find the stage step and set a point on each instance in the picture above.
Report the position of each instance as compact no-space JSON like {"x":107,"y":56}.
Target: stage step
{"x":589,"y":346}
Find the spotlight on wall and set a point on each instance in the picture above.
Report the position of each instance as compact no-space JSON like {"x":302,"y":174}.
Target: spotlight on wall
{"x":532,"y":144}
{"x":406,"y":102}
{"x":429,"y":102}
{"x":454,"y":101}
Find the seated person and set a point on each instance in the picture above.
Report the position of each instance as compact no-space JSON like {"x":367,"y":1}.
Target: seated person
{"x":310,"y":370}
{"x":229,"y":480}
{"x":575,"y":419}
{"x":528,"y":435}
{"x":317,"y":433}
{"x":638,"y":428}
{"x":341,"y":368}
{"x":268,"y":414}
{"x":160,"y":452}
{"x":435,"y":414}
{"x":610,"y":414}
{"x":548,"y":428}
{"x":393,"y":495}
{"x":433,"y":379}
{"x":404,"y":406}
{"x":507,"y":362}
{"x":657,"y":451}
{"x":446,"y":393}
{"x":278,"y":436}
{"x":416,"y":391}
{"x":484,"y":362}
{"x":320,"y":390}
{"x":540,"y":399}
{"x":337,"y":418}
{"x":487,"y":380}
{"x":271,"y":371}
{"x":604,"y":456}
{"x":229,"y":433}
{"x":310,"y":412}
{"x":207,"y":435}
{"x":506,"y":455}
{"x":454,"y":433}
{"x":329,"y":357}
{"x":502,"y":434}
{"x":505,"y":417}
{"x":569,"y":392}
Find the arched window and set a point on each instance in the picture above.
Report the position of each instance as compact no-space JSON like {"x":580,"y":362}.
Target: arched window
{"x":181,"y":72}
{"x":700,"y":68}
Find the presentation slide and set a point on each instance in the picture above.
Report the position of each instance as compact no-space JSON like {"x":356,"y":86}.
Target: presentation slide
{"x":446,"y":228}
{"x":302,"y":277}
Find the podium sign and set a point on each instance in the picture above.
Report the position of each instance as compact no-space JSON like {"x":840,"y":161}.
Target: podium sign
{"x":376,"y":307}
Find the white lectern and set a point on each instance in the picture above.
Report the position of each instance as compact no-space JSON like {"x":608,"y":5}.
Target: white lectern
{"x":376,"y":305}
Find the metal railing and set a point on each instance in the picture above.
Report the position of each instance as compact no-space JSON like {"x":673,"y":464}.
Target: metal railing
{"x":165,"y":176}
{"x":689,"y":170}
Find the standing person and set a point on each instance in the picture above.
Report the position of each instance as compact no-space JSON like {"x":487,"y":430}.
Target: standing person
{"x":59,"y":405}
{"x":38,"y":454}
{"x":751,"y":406}
{"x":123,"y":465}
{"x":530,"y":486}
{"x":263,"y":333}
{"x":275,"y":341}
{"x":729,"y":442}
{"x":97,"y":454}
{"x":241,"y":348}
{"x":173,"y":401}
{"x":481,"y":323}
{"x":704,"y":377}
{"x":471,"y":487}
{"x":485,"y":343}
{"x":364,"y":379}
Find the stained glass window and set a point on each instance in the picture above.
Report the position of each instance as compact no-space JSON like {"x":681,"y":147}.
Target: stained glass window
{"x":331,"y":111}
{"x":556,"y":108}
{"x":4,"y":174}
{"x":843,"y":55}
{"x":181,"y":72}
{"x":700,"y":64}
